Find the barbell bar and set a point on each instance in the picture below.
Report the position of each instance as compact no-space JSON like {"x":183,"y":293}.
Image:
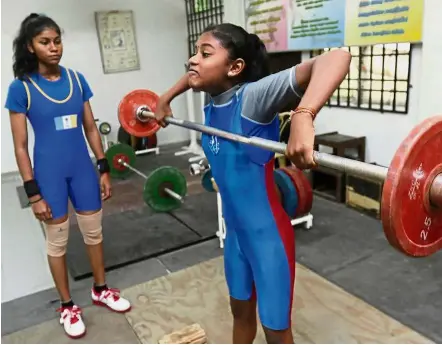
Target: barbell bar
{"x":335,"y":162}
{"x":171,"y":193}
{"x":411,"y":205}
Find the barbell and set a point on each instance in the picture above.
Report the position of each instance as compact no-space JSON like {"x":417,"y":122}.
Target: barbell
{"x":164,"y":189}
{"x":411,"y":205}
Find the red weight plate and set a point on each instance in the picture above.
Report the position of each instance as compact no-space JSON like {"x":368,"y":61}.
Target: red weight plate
{"x":410,"y":223}
{"x":307,"y":187}
{"x":127,"y":113}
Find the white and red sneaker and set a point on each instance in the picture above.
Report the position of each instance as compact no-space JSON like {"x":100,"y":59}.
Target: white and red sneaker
{"x":111,"y":299}
{"x":70,"y":318}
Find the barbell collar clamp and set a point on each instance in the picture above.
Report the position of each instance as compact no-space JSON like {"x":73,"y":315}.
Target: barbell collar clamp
{"x":141,"y":110}
{"x":195,"y":169}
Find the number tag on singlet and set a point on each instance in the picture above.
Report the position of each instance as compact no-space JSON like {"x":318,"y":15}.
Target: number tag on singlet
{"x":65,"y":122}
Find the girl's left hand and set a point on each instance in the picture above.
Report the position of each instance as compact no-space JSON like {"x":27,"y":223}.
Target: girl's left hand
{"x":106,"y":189}
{"x":301,"y":141}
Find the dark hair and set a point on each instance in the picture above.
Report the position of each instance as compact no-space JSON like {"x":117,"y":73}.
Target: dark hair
{"x":25,"y":61}
{"x":242,"y":45}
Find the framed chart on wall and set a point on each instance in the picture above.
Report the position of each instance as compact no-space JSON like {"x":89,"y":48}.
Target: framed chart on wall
{"x":117,"y":39}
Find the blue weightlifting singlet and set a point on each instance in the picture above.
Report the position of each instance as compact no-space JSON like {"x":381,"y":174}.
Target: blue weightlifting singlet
{"x":62,"y":166}
{"x":259,"y":250}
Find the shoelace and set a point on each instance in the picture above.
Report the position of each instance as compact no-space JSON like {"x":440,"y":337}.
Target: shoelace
{"x":111,"y":292}
{"x":72,"y":313}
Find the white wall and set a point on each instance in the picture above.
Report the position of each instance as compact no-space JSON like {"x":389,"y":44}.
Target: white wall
{"x":384,"y":132}
{"x":430,"y":100}
{"x":161,"y":31}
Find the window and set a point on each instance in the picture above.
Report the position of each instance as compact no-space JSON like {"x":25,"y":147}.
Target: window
{"x":200,"y":14}
{"x":378,"y":78}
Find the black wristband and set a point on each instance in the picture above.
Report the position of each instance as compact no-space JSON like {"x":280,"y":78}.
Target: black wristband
{"x":31,"y":188}
{"x":103,"y":165}
{"x":35,"y":201}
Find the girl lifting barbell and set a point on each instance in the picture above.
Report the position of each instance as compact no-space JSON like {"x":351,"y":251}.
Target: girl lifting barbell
{"x":231,"y":65}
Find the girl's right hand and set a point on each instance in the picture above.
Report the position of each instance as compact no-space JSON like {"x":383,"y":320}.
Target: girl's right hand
{"x":163,"y":109}
{"x":41,"y":210}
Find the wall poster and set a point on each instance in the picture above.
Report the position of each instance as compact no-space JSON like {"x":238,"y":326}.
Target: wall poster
{"x":298,"y":25}
{"x":118,"y":45}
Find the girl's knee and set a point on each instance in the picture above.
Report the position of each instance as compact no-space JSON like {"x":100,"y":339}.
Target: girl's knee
{"x":243,"y":310}
{"x":90,"y":225}
{"x":278,"y":337}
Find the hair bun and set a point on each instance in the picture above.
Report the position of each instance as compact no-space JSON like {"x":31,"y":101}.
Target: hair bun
{"x":29,"y":18}
{"x":32,"y":16}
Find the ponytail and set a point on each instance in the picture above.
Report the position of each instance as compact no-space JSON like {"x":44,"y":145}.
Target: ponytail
{"x":242,"y":45}
{"x":259,"y":66}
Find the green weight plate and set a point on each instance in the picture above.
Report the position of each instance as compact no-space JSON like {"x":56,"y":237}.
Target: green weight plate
{"x":114,"y":153}
{"x":154,"y":194}
{"x":207,"y":182}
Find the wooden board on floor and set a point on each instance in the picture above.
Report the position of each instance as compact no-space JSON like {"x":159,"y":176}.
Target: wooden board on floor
{"x":323,"y":312}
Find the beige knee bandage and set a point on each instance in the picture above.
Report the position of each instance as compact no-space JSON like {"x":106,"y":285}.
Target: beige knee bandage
{"x":90,"y":227}
{"x":57,"y":238}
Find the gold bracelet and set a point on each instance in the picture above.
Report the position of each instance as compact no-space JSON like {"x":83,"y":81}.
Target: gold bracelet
{"x":298,"y":110}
